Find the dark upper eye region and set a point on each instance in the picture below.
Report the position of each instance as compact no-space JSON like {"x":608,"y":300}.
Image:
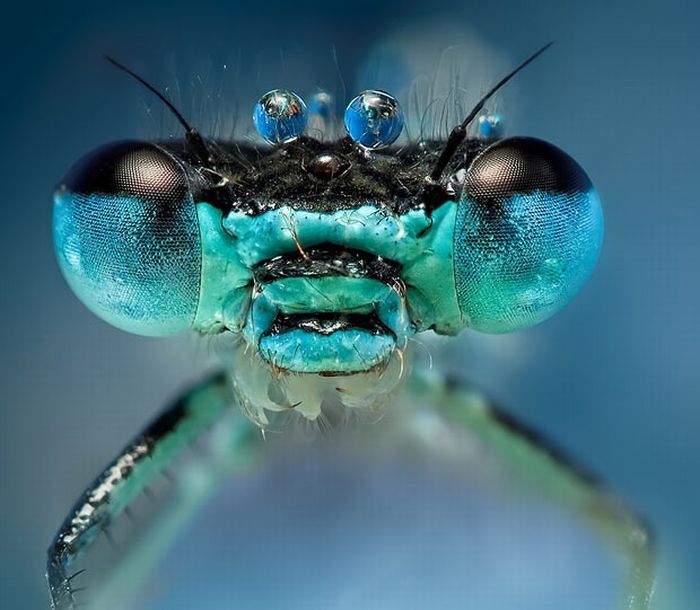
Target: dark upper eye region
{"x":523,"y":165}
{"x":130,"y":168}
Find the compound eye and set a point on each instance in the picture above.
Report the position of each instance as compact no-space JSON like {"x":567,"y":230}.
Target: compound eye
{"x":127,"y":238}
{"x":528,"y":231}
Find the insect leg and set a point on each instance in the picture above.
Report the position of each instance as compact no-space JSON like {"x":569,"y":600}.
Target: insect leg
{"x":549,"y":473}
{"x":128,"y":475}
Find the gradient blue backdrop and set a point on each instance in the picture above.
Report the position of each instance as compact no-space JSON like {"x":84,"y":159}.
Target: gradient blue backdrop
{"x":614,"y":378}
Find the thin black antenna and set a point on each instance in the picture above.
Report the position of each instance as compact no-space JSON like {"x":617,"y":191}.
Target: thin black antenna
{"x":458,"y":134}
{"x":194,"y":139}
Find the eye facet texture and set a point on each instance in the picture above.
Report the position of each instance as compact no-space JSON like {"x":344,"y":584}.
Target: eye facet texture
{"x":127,"y":239}
{"x":528,"y":231}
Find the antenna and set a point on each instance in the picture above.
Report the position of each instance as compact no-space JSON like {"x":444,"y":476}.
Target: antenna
{"x":459,"y":133}
{"x":194,"y":138}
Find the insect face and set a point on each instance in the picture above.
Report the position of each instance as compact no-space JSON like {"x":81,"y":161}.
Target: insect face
{"x":327,"y":259}
{"x":325,"y":256}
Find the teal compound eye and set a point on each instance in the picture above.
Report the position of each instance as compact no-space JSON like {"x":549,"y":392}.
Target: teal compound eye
{"x":528,"y":231}
{"x":127,"y":239}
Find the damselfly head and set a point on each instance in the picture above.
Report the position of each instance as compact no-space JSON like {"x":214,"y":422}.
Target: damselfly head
{"x":324,"y":248}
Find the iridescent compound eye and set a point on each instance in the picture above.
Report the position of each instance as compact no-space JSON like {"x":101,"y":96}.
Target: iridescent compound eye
{"x":280,"y":116}
{"x":127,"y":238}
{"x":374,"y":119}
{"x":528,"y":231}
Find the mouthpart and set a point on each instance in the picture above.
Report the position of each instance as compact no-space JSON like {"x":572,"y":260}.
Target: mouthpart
{"x":330,"y":313}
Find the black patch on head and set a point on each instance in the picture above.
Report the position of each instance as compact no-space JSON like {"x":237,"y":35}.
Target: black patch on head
{"x":326,"y":323}
{"x":523,"y":165}
{"x":328,"y":260}
{"x":311,"y":175}
{"x":130,"y":168}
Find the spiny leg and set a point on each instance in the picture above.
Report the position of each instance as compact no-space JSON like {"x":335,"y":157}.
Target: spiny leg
{"x":144,"y":458}
{"x":549,"y":473}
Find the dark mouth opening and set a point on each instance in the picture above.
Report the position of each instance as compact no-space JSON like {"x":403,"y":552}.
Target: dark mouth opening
{"x":328,"y":260}
{"x":328,"y":323}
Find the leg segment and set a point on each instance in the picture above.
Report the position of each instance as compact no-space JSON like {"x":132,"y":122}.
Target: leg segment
{"x":127,"y":476}
{"x":551,"y":475}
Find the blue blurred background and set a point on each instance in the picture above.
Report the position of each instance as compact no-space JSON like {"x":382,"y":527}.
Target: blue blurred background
{"x":614,"y":378}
